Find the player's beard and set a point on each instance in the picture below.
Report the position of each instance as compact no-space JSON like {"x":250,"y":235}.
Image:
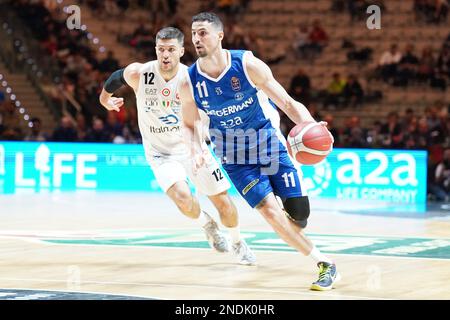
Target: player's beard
{"x":202,"y":53}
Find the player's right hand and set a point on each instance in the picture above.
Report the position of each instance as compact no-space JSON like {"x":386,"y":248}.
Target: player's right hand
{"x":113,"y":103}
{"x":200,"y":159}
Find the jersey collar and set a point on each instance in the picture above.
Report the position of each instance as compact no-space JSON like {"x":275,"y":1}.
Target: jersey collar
{"x":223,"y":72}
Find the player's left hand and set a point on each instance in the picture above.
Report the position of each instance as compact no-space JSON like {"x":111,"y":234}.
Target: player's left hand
{"x":113,"y":104}
{"x":325,"y":124}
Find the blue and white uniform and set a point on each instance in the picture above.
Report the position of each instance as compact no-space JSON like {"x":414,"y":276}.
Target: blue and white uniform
{"x":244,"y":127}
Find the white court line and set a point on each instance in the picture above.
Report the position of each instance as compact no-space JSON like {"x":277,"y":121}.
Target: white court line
{"x":89,"y":292}
{"x":200,"y":287}
{"x":188,"y":229}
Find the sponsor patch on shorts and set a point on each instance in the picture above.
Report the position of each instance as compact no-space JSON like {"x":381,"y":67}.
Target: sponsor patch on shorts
{"x":249,"y":186}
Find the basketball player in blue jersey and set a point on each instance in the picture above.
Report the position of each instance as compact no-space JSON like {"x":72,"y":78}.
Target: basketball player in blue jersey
{"x":239,"y":94}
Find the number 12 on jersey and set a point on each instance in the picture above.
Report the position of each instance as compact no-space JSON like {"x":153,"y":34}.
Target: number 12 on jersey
{"x":202,"y":89}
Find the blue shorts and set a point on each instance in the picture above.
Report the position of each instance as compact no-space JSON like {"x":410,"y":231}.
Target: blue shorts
{"x":254,"y":185}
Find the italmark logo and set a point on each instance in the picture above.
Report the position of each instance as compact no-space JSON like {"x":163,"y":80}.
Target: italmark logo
{"x":169,"y":119}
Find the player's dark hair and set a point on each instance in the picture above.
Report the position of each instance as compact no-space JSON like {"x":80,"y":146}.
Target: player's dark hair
{"x":170,"y":33}
{"x":210,"y":17}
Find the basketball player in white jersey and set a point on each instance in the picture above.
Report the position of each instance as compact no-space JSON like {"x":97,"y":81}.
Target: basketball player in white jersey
{"x":155,"y":84}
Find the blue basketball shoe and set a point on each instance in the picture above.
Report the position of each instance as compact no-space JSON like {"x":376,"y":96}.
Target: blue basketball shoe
{"x":328,"y":276}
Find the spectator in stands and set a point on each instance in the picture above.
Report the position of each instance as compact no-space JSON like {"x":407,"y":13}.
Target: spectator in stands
{"x":354,"y":135}
{"x":442,"y":75}
{"x":109,"y":64}
{"x":123,"y":5}
{"x":10,"y":121}
{"x":388,"y":63}
{"x":431,"y":114}
{"x":437,"y":132}
{"x":318,"y":38}
{"x":440,"y":187}
{"x":239,"y":42}
{"x":95,"y":5}
{"x":423,"y":134}
{"x":411,"y":135}
{"x":172,"y":4}
{"x":356,"y":8}
{"x":2,"y":98}
{"x":98,"y":133}
{"x":314,"y":111}
{"x":142,"y":36}
{"x":426,"y":65}
{"x":375,"y":138}
{"x":81,"y":126}
{"x":51,"y":45}
{"x":334,"y":91}
{"x":338,"y":5}
{"x":113,"y":126}
{"x":362,"y":55}
{"x":255,"y":44}
{"x":441,"y":11}
{"x":407,"y":67}
{"x":2,"y":125}
{"x":407,"y":119}
{"x":301,"y":44}
{"x":229,"y":7}
{"x":36,"y":133}
{"x":392,"y":129}
{"x":65,"y":132}
{"x":110,"y":8}
{"x":422,"y":9}
{"x":353,"y":92}
{"x":300,"y":87}
{"x":329,"y":119}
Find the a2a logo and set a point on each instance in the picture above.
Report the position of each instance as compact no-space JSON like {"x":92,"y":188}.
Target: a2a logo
{"x":171,"y":119}
{"x":318,"y":180}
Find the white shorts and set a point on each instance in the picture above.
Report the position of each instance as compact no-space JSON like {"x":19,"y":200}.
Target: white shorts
{"x":209,"y":179}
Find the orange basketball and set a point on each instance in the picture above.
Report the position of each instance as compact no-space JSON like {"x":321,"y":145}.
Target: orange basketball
{"x":309,"y":142}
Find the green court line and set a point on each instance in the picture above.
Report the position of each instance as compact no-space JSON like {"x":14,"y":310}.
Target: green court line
{"x":434,"y":248}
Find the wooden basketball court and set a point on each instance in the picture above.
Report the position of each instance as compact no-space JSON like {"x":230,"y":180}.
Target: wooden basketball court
{"x":138,"y":245}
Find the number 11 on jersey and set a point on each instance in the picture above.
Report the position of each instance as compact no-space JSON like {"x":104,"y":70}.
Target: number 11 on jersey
{"x":286,"y":177}
{"x":202,"y":89}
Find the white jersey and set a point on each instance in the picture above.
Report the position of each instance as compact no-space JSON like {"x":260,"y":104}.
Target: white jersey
{"x":159,"y":112}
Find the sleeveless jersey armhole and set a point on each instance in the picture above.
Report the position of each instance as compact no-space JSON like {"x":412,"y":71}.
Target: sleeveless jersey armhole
{"x":244,"y":66}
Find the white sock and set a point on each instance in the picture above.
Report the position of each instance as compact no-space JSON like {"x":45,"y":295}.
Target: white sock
{"x":319,"y":256}
{"x":201,"y":220}
{"x":235,"y":234}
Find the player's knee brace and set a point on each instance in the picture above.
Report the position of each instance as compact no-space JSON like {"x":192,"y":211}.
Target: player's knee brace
{"x":297,"y":210}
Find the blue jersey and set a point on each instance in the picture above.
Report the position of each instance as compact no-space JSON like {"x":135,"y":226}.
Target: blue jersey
{"x":244,"y":123}
{"x":241,"y":116}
